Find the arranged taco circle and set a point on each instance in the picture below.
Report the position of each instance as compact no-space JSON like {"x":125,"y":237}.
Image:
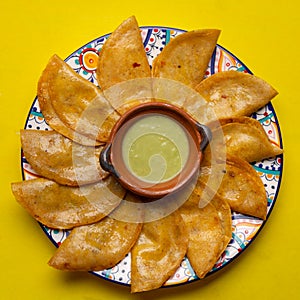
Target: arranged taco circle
{"x":72,"y":186}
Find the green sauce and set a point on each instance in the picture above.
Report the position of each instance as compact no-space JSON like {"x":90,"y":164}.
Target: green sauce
{"x":155,"y":148}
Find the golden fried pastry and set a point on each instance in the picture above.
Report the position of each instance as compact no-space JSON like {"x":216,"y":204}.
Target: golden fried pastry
{"x":224,"y":213}
{"x":245,"y":137}
{"x":107,"y":125}
{"x":123,"y":56}
{"x":58,"y":158}
{"x":205,"y":233}
{"x":186,"y":57}
{"x":76,"y":102}
{"x":207,"y":195}
{"x":158,"y":252}
{"x":179,"y":94}
{"x":56,"y":124}
{"x":96,"y":247}
{"x":63,"y":207}
{"x":132,"y":209}
{"x":130,"y":93}
{"x":240,"y":186}
{"x":233,"y":94}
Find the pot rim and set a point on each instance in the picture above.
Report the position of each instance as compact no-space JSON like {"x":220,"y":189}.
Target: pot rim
{"x":111,"y":158}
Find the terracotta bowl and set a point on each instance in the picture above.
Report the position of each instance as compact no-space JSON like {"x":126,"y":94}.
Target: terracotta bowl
{"x":112,"y":159}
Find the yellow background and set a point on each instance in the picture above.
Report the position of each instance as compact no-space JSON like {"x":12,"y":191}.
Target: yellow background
{"x":264,"y":34}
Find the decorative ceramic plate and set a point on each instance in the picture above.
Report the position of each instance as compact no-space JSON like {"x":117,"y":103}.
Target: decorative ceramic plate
{"x":244,"y":228}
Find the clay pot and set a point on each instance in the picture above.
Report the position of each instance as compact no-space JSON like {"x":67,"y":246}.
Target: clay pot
{"x":111,"y":158}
